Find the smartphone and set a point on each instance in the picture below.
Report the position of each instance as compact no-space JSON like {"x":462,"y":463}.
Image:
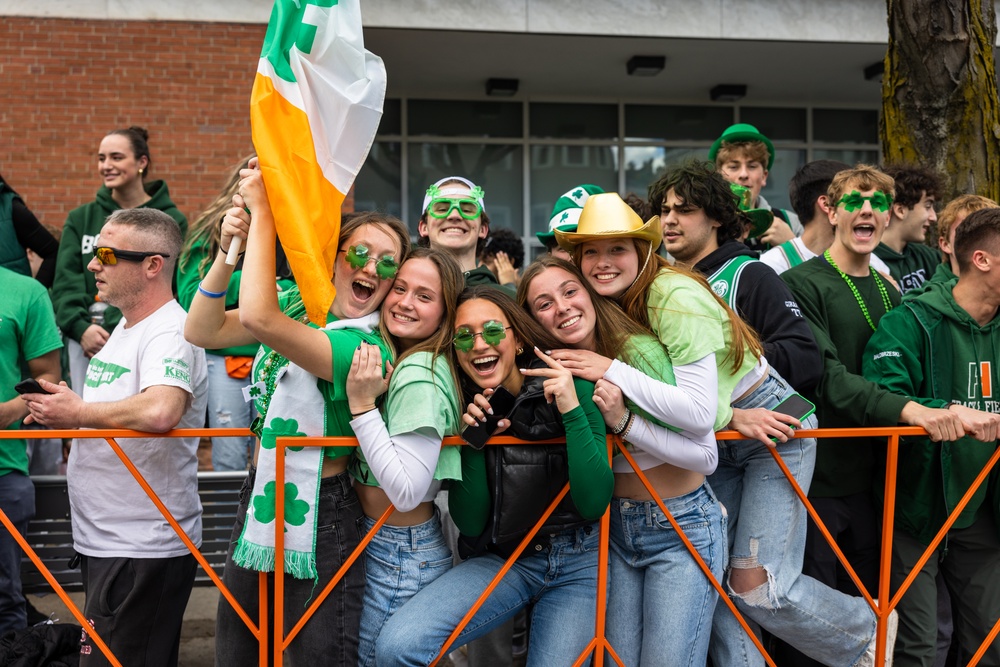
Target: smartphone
{"x":795,"y":406}
{"x":29,"y":386}
{"x":501,"y":402}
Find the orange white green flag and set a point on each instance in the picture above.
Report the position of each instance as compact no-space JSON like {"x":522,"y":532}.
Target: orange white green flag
{"x":316,"y":104}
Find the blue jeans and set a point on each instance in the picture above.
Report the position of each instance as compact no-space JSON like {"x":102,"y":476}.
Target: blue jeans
{"x":399,"y":562}
{"x":227,"y":409}
{"x":767,"y":528}
{"x":330,"y":636}
{"x":17,"y":499}
{"x":661,"y":604}
{"x":560,"y":580}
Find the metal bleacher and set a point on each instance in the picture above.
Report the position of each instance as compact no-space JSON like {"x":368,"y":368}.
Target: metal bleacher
{"x":50,"y":535}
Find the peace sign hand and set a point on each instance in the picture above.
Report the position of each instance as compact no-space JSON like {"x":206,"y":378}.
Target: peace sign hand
{"x":559,"y":383}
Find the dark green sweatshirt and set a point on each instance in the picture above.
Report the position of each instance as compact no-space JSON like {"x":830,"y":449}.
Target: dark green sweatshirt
{"x":74,"y":289}
{"x":933,"y":352}
{"x":843,"y":398}
{"x":912,"y":267}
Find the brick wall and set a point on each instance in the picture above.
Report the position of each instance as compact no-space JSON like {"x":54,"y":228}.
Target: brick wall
{"x":66,"y":83}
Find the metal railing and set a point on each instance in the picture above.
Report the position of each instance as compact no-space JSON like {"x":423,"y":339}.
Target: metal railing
{"x":599,"y":646}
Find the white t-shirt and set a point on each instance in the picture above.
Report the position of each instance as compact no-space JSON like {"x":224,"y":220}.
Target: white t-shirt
{"x":777,"y":260}
{"x":112,"y":516}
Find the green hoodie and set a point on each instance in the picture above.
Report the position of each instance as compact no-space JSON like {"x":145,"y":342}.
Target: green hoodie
{"x":74,"y":288}
{"x":943,"y":277}
{"x":932,"y":351}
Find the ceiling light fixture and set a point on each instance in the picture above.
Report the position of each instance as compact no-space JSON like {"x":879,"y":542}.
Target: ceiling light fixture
{"x":501,"y":87}
{"x":645,"y":65}
{"x":728,"y":92}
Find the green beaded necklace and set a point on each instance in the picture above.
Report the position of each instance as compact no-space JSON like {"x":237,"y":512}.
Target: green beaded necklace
{"x":854,"y":290}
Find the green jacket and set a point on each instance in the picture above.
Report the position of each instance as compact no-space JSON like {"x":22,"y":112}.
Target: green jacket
{"x":843,"y":398}
{"x":932,"y":351}
{"x":74,"y":289}
{"x":12,"y":255}
{"x":911,"y":268}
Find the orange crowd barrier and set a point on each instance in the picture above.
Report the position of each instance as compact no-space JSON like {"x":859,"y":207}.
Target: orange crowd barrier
{"x":599,"y":647}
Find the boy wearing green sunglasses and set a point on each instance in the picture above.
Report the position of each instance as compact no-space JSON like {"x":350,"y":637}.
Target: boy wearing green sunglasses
{"x":453,"y":219}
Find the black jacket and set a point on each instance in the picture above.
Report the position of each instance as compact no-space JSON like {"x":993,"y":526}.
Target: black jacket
{"x":767,"y":305}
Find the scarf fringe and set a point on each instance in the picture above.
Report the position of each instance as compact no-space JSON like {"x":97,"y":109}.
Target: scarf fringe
{"x":260,"y":558}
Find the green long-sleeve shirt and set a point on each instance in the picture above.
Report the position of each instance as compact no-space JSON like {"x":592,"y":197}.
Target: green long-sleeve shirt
{"x":843,"y":397}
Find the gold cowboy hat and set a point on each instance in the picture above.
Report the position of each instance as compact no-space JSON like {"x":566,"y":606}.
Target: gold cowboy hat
{"x":606,"y":216}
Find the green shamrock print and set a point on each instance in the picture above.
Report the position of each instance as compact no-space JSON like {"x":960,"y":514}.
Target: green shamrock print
{"x":295,"y":509}
{"x":280,"y":428}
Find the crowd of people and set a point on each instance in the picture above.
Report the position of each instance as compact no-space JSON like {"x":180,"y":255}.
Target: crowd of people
{"x":661,"y":319}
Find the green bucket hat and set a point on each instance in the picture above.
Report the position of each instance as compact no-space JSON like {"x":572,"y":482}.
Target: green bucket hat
{"x":742,"y":132}
{"x":760,"y":218}
{"x":566,"y":212}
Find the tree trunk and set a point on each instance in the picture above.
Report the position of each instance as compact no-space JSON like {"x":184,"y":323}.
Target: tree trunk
{"x":939,"y":92}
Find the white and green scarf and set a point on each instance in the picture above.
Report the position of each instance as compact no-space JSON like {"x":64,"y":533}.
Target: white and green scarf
{"x":296,"y":392}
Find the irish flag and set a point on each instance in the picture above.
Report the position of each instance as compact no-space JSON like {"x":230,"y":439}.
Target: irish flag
{"x":316,"y":104}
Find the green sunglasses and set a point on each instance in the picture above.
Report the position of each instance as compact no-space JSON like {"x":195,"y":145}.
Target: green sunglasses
{"x":493,"y":332}
{"x":442,"y":208}
{"x":358,"y":257}
{"x":853,"y":201}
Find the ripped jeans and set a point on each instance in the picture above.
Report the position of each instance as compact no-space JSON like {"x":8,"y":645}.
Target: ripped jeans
{"x":767,"y":528}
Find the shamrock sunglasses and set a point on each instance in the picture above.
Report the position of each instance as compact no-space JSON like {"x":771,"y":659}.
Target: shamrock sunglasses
{"x":358,"y":257}
{"x":110,"y":256}
{"x":493,"y":332}
{"x":852,"y":201}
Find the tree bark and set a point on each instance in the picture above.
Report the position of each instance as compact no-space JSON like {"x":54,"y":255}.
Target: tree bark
{"x":939,"y":92}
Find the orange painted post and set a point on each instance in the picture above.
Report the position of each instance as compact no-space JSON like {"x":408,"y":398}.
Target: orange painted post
{"x":279,"y":555}
{"x":262,"y":635}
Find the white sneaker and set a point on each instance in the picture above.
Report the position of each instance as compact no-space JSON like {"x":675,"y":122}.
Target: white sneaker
{"x":892,"y":627}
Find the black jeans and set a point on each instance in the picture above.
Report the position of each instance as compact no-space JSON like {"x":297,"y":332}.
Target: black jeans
{"x":330,"y":636}
{"x":17,"y":498}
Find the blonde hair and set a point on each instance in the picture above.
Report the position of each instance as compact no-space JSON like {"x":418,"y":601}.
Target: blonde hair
{"x":861,"y":177}
{"x":751,"y":150}
{"x":963,"y":204}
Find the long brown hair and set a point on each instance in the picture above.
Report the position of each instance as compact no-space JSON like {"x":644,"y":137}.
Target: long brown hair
{"x":635,"y":301}
{"x":452,"y":282}
{"x":612,"y":327}
{"x":206,"y":228}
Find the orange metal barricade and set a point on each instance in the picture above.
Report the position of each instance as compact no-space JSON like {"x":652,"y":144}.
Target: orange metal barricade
{"x":599,"y":645}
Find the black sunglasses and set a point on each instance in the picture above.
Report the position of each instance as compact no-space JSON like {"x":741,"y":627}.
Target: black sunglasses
{"x":110,"y":256}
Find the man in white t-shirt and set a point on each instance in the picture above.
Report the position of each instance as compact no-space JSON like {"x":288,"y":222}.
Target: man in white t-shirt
{"x":807,"y":192}
{"x":137,"y":573}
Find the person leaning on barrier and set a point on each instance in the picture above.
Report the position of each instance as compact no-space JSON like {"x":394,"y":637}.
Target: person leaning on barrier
{"x":940,"y":349}
{"x":137,"y":573}
{"x":28,"y":334}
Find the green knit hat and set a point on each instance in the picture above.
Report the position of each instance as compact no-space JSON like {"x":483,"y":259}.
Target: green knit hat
{"x":760,"y":218}
{"x":742,"y":132}
{"x":566,"y":212}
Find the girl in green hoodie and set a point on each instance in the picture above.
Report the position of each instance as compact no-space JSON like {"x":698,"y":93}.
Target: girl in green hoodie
{"x":123,"y":162}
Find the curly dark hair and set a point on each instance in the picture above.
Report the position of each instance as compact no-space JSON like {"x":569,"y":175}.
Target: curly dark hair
{"x":912,"y":181}
{"x":698,"y":184}
{"x":505,"y":240}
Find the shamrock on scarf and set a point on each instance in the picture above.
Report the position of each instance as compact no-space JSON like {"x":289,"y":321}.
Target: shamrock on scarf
{"x":280,"y":428}
{"x":295,"y":509}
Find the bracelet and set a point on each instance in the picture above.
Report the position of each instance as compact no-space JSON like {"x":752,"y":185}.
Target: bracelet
{"x":620,"y":426}
{"x":364,"y":411}
{"x":628,"y":427}
{"x":211,"y":295}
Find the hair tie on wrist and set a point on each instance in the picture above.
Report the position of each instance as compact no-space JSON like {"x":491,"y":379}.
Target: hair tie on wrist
{"x":211,"y":295}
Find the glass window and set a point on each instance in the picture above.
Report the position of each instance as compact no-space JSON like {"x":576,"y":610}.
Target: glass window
{"x":378,"y":185}
{"x":556,"y":169}
{"x":775,"y":123}
{"x":851,"y":157}
{"x":574,"y":121}
{"x":653,"y":123}
{"x":453,"y":118}
{"x":845,"y":126}
{"x":786,"y":162}
{"x":496,"y":168}
{"x":644,"y":164}
{"x":392,"y":118}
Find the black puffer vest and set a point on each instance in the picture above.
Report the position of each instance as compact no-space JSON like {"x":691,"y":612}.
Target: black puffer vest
{"x":524,"y":479}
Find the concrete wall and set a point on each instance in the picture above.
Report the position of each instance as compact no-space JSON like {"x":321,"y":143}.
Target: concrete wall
{"x":850,"y":21}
